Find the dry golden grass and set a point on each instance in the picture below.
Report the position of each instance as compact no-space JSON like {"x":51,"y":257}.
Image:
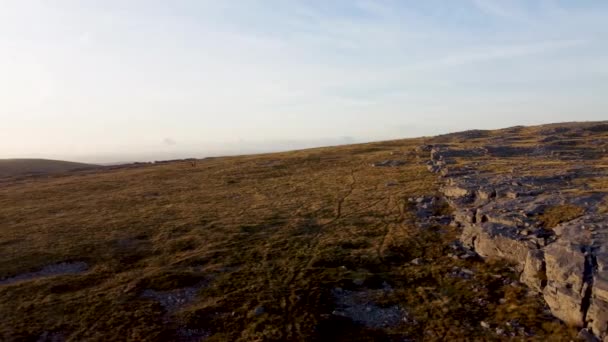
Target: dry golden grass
{"x":559,"y":214}
{"x":603,"y":207}
{"x":277,"y":231}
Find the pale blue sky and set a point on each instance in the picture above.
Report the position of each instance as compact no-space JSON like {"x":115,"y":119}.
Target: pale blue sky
{"x":133,"y":80}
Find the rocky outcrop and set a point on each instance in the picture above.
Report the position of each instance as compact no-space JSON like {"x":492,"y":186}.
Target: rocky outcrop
{"x":566,"y":287}
{"x":499,"y":216}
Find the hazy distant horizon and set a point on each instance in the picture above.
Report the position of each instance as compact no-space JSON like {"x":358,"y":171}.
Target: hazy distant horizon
{"x":230,"y":149}
{"x":191,"y":152}
{"x":138,"y":80}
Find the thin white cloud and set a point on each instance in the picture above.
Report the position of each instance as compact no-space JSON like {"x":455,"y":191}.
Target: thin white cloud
{"x":507,"y":9}
{"x":490,"y":53}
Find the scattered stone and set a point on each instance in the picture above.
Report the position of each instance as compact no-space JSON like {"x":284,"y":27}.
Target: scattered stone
{"x":260,"y":310}
{"x":359,"y":281}
{"x":416,"y":262}
{"x":434,"y":168}
{"x":174,"y":299}
{"x":387,"y":287}
{"x":484,"y":325}
{"x":358,"y":306}
{"x":463,"y":273}
{"x":481,"y":302}
{"x":467,"y":271}
{"x":389,"y":163}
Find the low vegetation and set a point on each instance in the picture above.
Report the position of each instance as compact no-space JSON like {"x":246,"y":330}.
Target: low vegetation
{"x":555,"y":215}
{"x":265,"y":242}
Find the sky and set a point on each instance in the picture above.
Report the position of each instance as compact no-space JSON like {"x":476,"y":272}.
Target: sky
{"x":126,"y":80}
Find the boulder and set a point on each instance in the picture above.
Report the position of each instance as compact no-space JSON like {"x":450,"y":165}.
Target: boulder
{"x":498,"y":241}
{"x":564,"y":303}
{"x":597,"y":315}
{"x":565,"y":268}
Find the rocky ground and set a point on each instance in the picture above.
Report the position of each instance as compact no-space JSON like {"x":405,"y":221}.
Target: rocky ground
{"x":545,"y":212}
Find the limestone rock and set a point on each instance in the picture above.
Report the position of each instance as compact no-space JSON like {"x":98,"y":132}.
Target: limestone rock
{"x":456,"y":192}
{"x":534,"y":274}
{"x":587,"y":336}
{"x":491,"y":240}
{"x":498,"y":214}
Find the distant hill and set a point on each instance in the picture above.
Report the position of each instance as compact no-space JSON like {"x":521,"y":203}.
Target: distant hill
{"x":15,"y":167}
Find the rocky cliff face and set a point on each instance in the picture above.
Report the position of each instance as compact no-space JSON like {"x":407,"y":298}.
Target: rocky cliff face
{"x":543,"y":216}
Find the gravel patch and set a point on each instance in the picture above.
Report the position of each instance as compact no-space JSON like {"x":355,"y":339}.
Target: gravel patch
{"x":358,"y":306}
{"x":192,"y":335}
{"x":174,"y":299}
{"x":49,"y":271}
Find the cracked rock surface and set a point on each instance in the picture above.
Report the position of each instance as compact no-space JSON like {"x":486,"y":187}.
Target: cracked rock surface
{"x":520,"y":213}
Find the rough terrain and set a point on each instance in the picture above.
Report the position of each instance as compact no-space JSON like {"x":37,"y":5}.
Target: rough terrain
{"x":480,"y":235}
{"x":540,"y":204}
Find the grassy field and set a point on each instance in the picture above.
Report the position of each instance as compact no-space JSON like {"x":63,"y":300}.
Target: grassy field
{"x":250,"y":248}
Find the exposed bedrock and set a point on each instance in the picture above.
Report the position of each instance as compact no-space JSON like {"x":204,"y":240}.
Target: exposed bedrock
{"x":500,"y":218}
